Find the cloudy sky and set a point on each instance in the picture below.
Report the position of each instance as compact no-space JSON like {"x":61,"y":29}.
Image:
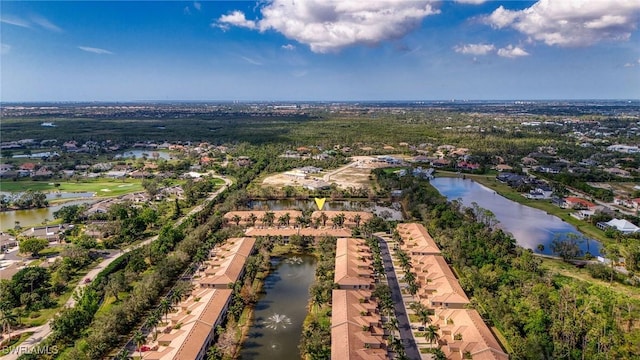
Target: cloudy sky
{"x":319,"y":50}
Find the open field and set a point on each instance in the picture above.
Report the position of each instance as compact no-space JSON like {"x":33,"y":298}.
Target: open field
{"x":353,"y":175}
{"x":101,"y":187}
{"x":561,"y":268}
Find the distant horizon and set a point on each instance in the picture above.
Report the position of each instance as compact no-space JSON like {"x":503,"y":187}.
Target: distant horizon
{"x":203,"y":101}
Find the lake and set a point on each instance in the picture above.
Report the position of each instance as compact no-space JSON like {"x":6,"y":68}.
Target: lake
{"x":279,"y":314}
{"x":33,"y":217}
{"x":53,"y":195}
{"x":530,"y":227}
{"x":139,"y":154}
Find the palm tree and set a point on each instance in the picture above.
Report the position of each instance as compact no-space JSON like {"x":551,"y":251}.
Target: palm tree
{"x":236,"y":219}
{"x":268,"y":218}
{"x":287,"y":218}
{"x":431,"y":334}
{"x":151,"y":323}
{"x":300,"y":220}
{"x":176,"y":295}
{"x":356,"y":219}
{"x":423,"y":315}
{"x":122,"y":354}
{"x":252,"y":218}
{"x":438,"y":354}
{"x":391,"y":325}
{"x":165,"y":308}
{"x":7,"y":318}
{"x":139,"y":339}
{"x":323,"y":218}
{"x":282,"y":220}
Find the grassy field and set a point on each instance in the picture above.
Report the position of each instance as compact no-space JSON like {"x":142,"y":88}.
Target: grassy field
{"x":491,"y":182}
{"x":14,"y":343}
{"x":101,"y":187}
{"x":563,"y":269}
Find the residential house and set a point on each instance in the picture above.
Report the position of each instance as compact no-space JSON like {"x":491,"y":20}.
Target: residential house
{"x":572,"y":202}
{"x":353,"y":269}
{"x":356,"y":327}
{"x":50,"y":233}
{"x":227,"y":263}
{"x":466,"y":336}
{"x":437,"y":286}
{"x":416,"y":240}
{"x":621,"y":225}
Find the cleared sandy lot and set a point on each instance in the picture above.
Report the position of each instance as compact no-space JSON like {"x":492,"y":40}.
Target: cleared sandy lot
{"x":355,"y":174}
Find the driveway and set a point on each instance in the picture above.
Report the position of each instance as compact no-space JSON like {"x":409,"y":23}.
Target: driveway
{"x":404,"y":325}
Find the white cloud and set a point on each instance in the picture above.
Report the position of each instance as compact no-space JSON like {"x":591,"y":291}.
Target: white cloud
{"x":288,"y":47}
{"x":630,"y":64}
{"x":236,"y":18}
{"x":251,"y":61}
{"x":474,"y":49}
{"x":197,"y":5}
{"x":571,"y":23}
{"x":33,"y":20}
{"x":16,"y":21}
{"x":512,"y":52}
{"x":95,"y":50}
{"x":45,"y":24}
{"x":329,"y":26}
{"x":4,"y":48}
{"x":472,"y":2}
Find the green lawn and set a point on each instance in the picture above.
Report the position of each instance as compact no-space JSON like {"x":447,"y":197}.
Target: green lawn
{"x":564,"y":269}
{"x":102,"y":187}
{"x":6,"y":347}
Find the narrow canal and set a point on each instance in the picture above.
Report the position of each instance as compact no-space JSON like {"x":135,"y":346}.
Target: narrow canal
{"x":279,"y":314}
{"x":530,"y":227}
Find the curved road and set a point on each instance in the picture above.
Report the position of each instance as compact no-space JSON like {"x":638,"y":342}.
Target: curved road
{"x":42,"y":332}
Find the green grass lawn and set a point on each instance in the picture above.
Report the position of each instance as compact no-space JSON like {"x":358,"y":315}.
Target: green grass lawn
{"x":102,"y":187}
{"x":566,"y":270}
{"x":14,"y":343}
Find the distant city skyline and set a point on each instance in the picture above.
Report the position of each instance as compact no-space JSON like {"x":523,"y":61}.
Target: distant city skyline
{"x":319,"y":50}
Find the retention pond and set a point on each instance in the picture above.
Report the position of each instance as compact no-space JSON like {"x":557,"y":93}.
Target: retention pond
{"x":279,"y":314}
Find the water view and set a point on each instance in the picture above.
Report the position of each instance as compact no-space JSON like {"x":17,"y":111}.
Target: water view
{"x":139,"y":154}
{"x":279,"y":314}
{"x":530,"y":227}
{"x":32,"y":217}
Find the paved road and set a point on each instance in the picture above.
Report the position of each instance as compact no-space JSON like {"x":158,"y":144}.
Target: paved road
{"x":42,"y":332}
{"x":404,"y":325}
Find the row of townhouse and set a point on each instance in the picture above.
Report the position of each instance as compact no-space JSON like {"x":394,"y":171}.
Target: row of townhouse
{"x":356,"y":324}
{"x":463,"y":333}
{"x":191,"y":329}
{"x":257,"y":217}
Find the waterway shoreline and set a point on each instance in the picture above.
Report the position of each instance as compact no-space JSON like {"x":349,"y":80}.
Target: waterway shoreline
{"x":491,"y":183}
{"x":532,"y":228}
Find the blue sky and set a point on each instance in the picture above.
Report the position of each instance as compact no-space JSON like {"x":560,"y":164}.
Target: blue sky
{"x":319,"y":50}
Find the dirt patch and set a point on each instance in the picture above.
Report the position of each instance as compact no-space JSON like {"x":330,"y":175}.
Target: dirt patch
{"x":353,"y":175}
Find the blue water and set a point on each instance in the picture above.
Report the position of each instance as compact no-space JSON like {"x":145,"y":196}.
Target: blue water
{"x":530,"y":227}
